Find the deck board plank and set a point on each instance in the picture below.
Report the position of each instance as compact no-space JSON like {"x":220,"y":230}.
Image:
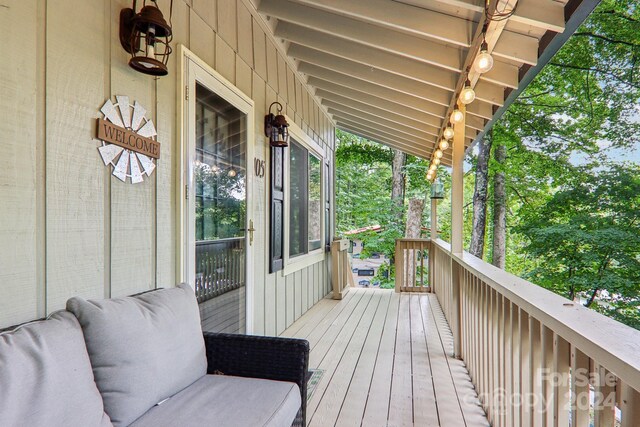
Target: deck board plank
{"x":330,"y":404}
{"x":401,"y":401}
{"x":377,"y":408}
{"x":355,"y":401}
{"x":388,"y":362}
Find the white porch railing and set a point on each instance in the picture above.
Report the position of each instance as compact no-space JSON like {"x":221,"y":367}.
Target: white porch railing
{"x":341,"y":275}
{"x":411,"y":269}
{"x":535,"y":358}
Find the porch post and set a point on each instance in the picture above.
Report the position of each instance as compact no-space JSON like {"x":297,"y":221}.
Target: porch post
{"x":434,"y":219}
{"x":457,"y":188}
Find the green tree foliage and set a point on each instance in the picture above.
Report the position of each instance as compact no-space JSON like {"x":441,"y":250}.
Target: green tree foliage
{"x":570,"y":212}
{"x":586,"y":237}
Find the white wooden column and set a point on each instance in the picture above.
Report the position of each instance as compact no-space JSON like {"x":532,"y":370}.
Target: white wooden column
{"x":457,"y":186}
{"x":434,"y":219}
{"x":456,"y":229}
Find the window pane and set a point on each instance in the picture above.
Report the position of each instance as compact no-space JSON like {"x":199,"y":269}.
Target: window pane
{"x":315,"y":207}
{"x":298,"y":189}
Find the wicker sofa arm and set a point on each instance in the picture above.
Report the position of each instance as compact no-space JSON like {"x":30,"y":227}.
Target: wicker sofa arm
{"x":273,"y":358}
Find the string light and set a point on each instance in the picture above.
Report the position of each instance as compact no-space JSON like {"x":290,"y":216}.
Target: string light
{"x":438,"y":153}
{"x":448,"y":132}
{"x":432,"y":167}
{"x":467,"y":95}
{"x":457,"y":115}
{"x":436,"y":161}
{"x":484,"y":61}
{"x":444,"y":144}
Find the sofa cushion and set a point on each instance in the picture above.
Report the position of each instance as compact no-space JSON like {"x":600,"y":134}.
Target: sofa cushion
{"x":46,"y":377}
{"x":143,"y":349}
{"x":226,"y":401}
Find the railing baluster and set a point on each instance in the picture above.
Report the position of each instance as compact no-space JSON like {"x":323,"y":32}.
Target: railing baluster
{"x":546,"y":340}
{"x":604,"y":402}
{"x":561,"y":389}
{"x":579,"y":388}
{"x":629,"y":405}
{"x":516,"y":418}
{"x":507,"y":368}
{"x":527,"y":369}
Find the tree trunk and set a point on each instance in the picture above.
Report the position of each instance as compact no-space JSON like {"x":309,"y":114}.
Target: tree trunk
{"x":414,"y":218}
{"x":480,"y":198}
{"x":412,"y":231}
{"x":499,"y":208}
{"x":397,"y":186}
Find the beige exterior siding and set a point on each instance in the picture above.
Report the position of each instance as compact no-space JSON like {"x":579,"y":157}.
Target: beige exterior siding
{"x":67,"y":227}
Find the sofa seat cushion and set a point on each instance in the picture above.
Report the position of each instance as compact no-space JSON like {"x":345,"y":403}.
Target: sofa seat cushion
{"x":226,"y":401}
{"x":46,"y":377}
{"x":143,"y":349}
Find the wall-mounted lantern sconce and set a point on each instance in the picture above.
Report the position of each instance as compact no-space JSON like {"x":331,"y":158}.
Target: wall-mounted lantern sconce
{"x":146,"y":36}
{"x":275,"y":127}
{"x":437,"y":190}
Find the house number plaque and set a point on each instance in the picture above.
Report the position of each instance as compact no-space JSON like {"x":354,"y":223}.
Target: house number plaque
{"x":258,"y":166}
{"x":127,"y":137}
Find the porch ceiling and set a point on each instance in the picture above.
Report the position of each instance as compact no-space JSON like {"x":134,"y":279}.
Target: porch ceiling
{"x":390,"y":70}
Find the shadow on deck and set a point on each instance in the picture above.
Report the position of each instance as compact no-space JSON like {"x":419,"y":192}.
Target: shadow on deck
{"x":387,"y":362}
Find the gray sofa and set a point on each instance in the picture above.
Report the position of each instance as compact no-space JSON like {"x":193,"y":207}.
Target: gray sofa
{"x":144,"y":361}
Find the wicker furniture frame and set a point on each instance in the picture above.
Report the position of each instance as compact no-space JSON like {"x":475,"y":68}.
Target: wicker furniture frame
{"x":272,"y":358}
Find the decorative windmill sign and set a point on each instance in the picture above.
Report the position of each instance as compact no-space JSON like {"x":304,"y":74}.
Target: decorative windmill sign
{"x":127,"y":137}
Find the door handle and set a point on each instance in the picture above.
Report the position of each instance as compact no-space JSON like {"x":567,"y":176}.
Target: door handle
{"x":251,"y":230}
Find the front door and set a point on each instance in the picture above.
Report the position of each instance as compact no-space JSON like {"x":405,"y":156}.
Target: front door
{"x":218,"y":199}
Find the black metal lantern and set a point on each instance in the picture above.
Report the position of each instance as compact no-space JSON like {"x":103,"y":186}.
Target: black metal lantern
{"x":276,"y":127}
{"x":146,"y":36}
{"x":437,"y":190}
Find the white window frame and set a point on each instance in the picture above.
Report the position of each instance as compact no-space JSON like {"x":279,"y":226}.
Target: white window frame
{"x":293,"y":264}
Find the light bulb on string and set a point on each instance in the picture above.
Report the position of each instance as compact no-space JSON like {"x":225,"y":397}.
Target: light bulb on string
{"x":484,"y":61}
{"x":444,"y":144}
{"x":457,"y":115}
{"x":467,"y":95}
{"x":438,"y":154}
{"x":448,"y":132}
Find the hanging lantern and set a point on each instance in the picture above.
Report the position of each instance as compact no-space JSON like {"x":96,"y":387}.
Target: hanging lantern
{"x":437,"y":190}
{"x":146,"y":36}
{"x":276,"y":127}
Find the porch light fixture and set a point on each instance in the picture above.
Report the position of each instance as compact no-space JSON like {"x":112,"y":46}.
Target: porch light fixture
{"x":275,"y":127}
{"x":146,"y":36}
{"x":467,"y":95}
{"x":444,"y":144}
{"x":448,"y":132}
{"x":437,"y":190}
{"x":438,"y":154}
{"x":457,"y":115}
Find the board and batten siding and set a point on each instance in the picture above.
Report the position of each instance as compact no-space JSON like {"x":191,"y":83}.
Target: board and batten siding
{"x":67,"y":227}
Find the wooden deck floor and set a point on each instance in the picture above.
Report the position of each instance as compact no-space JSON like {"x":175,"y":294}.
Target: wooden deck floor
{"x":387,"y":362}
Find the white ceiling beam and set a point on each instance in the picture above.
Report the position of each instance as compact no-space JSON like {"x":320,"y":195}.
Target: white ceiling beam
{"x":374,"y":114}
{"x":401,"y":17}
{"x":370,"y":35}
{"x":307,"y":48}
{"x":545,"y":14}
{"x":385,"y":104}
{"x":417,"y":21}
{"x":372,"y":75}
{"x":391,"y":132}
{"x":420,"y":150}
{"x":408,"y":100}
{"x":391,"y":122}
{"x":489,"y":92}
{"x":378,"y":122}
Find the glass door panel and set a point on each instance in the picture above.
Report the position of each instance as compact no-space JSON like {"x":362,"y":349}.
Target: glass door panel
{"x":220,"y":180}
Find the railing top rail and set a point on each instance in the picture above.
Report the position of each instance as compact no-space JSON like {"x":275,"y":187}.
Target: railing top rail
{"x":610,"y":343}
{"x":405,"y":239}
